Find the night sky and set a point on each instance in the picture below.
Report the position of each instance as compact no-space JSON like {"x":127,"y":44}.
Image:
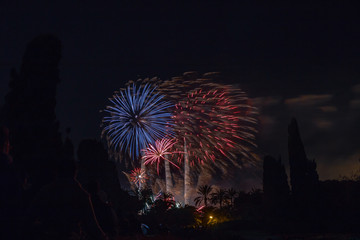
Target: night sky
{"x":298,"y":60}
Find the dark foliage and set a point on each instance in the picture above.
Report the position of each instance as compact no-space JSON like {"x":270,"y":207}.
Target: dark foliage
{"x":46,"y":195}
{"x":204,"y":193}
{"x":29,"y":111}
{"x":303,"y":175}
{"x":275,"y":186}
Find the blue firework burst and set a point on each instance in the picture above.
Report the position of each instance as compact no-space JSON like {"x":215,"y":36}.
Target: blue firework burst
{"x":137,"y":118}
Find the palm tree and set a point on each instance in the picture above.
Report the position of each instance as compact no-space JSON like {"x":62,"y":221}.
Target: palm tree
{"x":204,"y":191}
{"x":231,"y":194}
{"x":218,"y":197}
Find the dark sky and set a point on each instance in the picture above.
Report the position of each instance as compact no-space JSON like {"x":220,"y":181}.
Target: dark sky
{"x":293,"y":59}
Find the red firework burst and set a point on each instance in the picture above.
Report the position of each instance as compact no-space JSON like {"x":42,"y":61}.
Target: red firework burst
{"x":216,"y":123}
{"x":138,"y":176}
{"x":157,"y":152}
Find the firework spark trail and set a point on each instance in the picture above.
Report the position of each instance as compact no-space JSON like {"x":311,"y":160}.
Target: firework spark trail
{"x":214,"y":122}
{"x":138,"y":116}
{"x":154,"y":154}
{"x":215,"y":128}
{"x":217,"y":120}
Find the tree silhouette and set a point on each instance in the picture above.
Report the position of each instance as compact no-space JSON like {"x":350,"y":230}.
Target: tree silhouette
{"x":303,"y":175}
{"x":275,"y":185}
{"x":303,"y":172}
{"x":218,"y":197}
{"x":166,"y":200}
{"x":95,"y":166}
{"x":204,"y":191}
{"x":146,"y":197}
{"x":29,"y":110}
{"x":231,"y":194}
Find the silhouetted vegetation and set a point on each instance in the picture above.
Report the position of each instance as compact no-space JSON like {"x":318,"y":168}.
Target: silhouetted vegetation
{"x":29,"y":111}
{"x":204,"y":192}
{"x":46,"y":194}
{"x":275,"y":186}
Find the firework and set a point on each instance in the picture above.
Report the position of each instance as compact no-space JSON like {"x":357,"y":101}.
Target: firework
{"x":137,"y":118}
{"x":138,"y":176}
{"x":214,"y":124}
{"x":200,"y":209}
{"x":217,"y":123}
{"x":156,"y":153}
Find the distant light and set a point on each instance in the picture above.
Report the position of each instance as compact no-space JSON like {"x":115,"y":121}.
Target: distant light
{"x":211,"y":217}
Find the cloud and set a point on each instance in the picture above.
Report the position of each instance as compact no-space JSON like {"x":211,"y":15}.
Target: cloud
{"x":328,"y":109}
{"x":356,"y":88}
{"x":342,"y":166}
{"x":267,"y":124}
{"x":355,"y":103}
{"x":308,"y":100}
{"x":267,"y":120}
{"x":266,"y":101}
{"x":323,"y":124}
